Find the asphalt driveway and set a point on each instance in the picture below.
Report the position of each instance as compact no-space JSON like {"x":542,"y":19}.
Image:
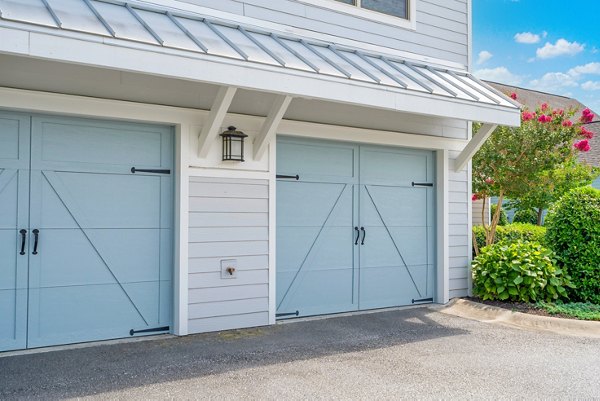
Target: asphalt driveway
{"x":403,"y":354}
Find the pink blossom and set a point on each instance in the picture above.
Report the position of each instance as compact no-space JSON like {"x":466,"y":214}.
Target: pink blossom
{"x":513,"y":96}
{"x":544,"y":118}
{"x":567,"y":123}
{"x":586,"y":133}
{"x":559,"y":112}
{"x":489,"y":181}
{"x":587,"y":118}
{"x":544,"y":106}
{"x":582,"y":145}
{"x":526,"y":116}
{"x":586,"y":112}
{"x":474,"y":197}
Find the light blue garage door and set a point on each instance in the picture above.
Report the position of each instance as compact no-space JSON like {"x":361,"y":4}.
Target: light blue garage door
{"x":85,"y":230}
{"x":354,"y":227}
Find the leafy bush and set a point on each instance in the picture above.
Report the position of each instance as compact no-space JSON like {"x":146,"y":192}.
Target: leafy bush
{"x":503,"y":219}
{"x":511,"y":233}
{"x":518,"y":271}
{"x":573,"y":225}
{"x":528,"y":216}
{"x":579,"y":310}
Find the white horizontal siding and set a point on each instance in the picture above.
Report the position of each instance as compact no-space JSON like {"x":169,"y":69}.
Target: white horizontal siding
{"x":228,"y":220}
{"x":441,"y":25}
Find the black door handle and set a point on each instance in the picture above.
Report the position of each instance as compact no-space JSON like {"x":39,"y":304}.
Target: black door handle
{"x":36,"y":233}
{"x":364,"y":235}
{"x":357,"y":235}
{"x":23,"y":233}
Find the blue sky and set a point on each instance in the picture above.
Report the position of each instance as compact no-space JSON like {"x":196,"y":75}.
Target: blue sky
{"x":552,"y":46}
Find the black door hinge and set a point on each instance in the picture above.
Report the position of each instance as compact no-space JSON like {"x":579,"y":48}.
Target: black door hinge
{"x":293,"y":177}
{"x":152,"y":330}
{"x":414,"y":301}
{"x":297,"y":313}
{"x":144,"y":170}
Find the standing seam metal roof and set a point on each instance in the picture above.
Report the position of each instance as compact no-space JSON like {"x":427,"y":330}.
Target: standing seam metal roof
{"x":194,"y":33}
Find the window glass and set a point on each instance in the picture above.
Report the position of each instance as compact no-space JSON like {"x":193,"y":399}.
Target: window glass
{"x":396,"y":8}
{"x":353,"y":2}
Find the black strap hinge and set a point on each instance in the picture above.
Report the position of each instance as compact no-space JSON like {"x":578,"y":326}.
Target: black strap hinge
{"x":422,"y":184}
{"x":293,"y":177}
{"x":414,"y":301}
{"x":297,"y":313}
{"x":152,"y":330}
{"x":144,"y":170}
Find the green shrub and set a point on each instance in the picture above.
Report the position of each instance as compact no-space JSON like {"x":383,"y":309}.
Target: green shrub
{"x":512,"y":232}
{"x":528,"y":216}
{"x":573,"y":225}
{"x":519,"y":271}
{"x":503,"y":219}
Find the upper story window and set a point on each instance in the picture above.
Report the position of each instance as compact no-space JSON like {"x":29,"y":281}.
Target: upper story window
{"x":398,"y":13}
{"x":396,"y":8}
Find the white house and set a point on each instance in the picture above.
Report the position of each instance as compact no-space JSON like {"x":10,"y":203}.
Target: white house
{"x":119,"y":216}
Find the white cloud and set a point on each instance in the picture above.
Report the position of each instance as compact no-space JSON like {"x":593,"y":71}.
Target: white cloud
{"x":554,"y":82}
{"x":527,"y":37}
{"x":484,"y":56}
{"x":498,"y":74}
{"x":591,"y":86}
{"x":589,"y":68}
{"x":562,"y":47}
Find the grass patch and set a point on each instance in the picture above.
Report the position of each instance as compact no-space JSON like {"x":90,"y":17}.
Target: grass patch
{"x":578,"y":310}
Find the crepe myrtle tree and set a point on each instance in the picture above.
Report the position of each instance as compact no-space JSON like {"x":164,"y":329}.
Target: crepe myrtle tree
{"x":513,"y":159}
{"x":552,"y":185}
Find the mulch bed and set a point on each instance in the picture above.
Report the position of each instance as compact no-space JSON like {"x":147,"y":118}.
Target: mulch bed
{"x":519,"y":307}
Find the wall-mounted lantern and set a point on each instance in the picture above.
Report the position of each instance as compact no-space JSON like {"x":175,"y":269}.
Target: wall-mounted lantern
{"x":233,"y":144}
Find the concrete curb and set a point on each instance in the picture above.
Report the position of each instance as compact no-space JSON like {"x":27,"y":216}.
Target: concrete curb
{"x":492,"y":314}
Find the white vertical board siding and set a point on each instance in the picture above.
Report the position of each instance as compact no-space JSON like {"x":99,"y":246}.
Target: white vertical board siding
{"x":458,"y":231}
{"x":228,"y":219}
{"x":441,"y":26}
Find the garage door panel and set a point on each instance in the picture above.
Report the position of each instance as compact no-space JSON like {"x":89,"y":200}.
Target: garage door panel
{"x":97,"y":142}
{"x":13,"y":304}
{"x":9,"y":138}
{"x":383,"y":245}
{"x":105,"y":239}
{"x":9,"y":198}
{"x":389,"y":265}
{"x":318,"y":161}
{"x":386,"y":286}
{"x":324,"y":291}
{"x":9,"y":248}
{"x":393,"y":167}
{"x":310,"y":204}
{"x":101,"y":200}
{"x":397,"y":206}
{"x":333,"y":249}
{"x":85,"y":313}
{"x":14,"y":195}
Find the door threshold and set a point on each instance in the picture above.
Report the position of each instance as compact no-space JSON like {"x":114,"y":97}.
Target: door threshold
{"x":354,"y":313}
{"x":68,"y":347}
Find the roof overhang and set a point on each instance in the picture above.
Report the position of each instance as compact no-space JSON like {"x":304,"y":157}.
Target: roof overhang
{"x":344,"y":75}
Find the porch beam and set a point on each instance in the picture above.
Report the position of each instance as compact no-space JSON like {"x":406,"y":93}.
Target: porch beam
{"x":270,"y":125}
{"x":215,"y":118}
{"x":473,"y":146}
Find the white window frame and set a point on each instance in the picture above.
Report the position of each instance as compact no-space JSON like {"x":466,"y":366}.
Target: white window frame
{"x":358,"y":11}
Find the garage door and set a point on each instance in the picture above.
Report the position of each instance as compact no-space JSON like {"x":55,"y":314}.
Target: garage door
{"x":354,"y":227}
{"x":85,"y":230}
